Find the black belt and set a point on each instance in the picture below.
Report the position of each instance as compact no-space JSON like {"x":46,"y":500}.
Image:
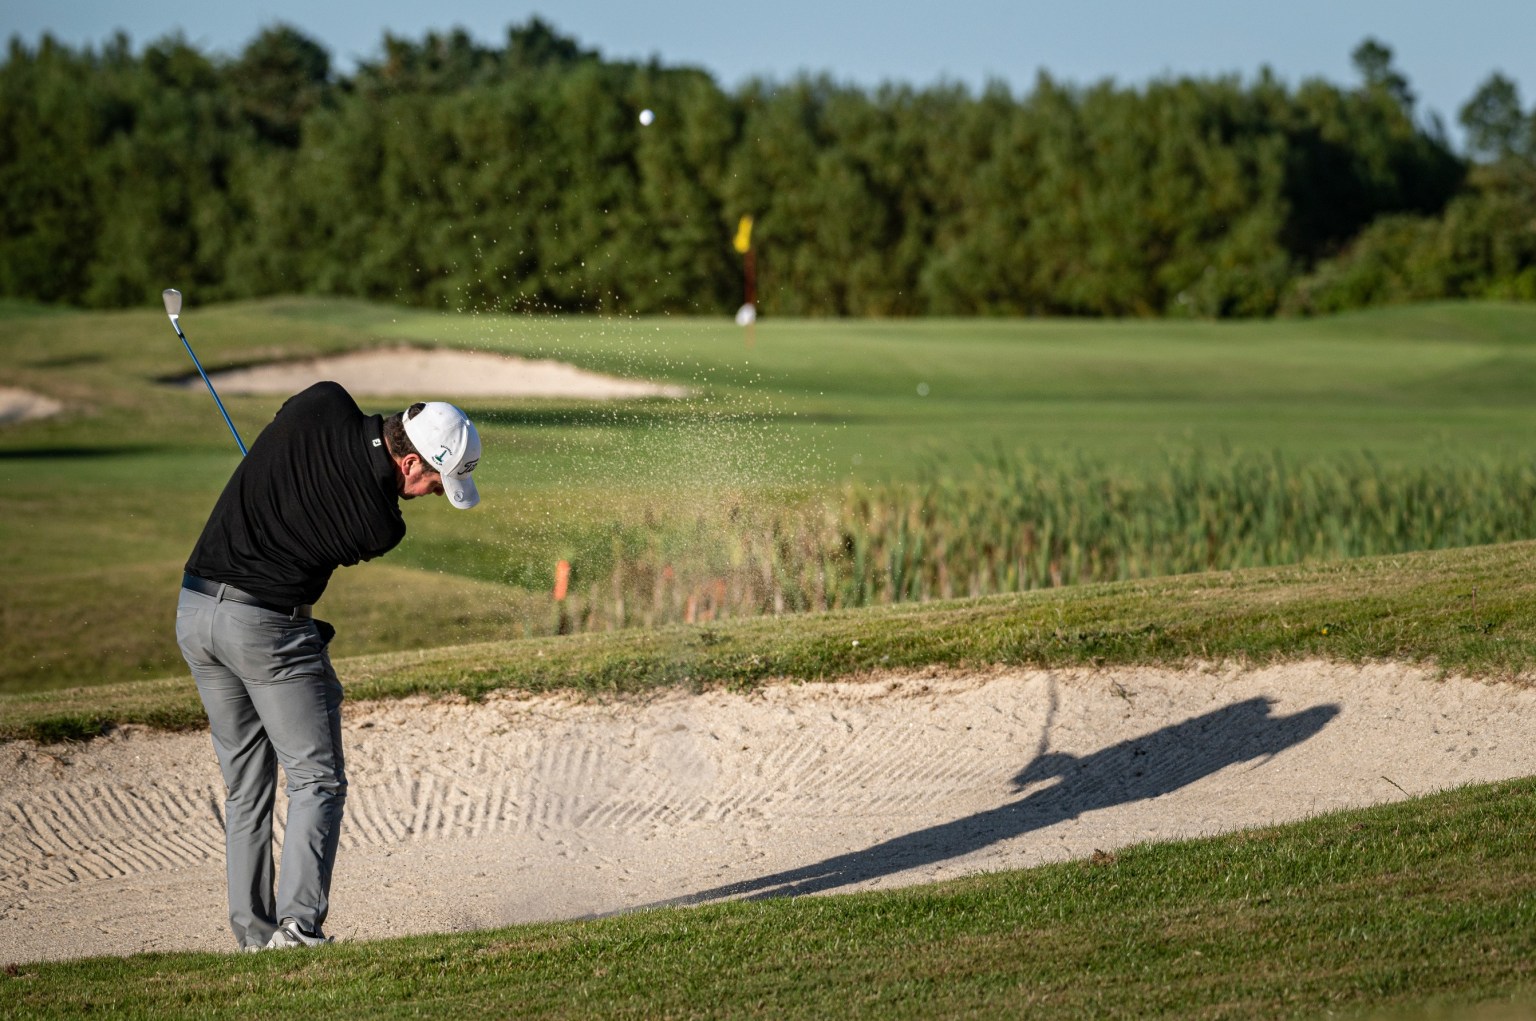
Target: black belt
{"x":220,"y":590}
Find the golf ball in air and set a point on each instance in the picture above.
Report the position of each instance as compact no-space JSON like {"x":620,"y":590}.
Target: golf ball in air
{"x":646,"y":116}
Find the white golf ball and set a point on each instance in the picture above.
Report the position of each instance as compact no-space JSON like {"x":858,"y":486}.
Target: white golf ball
{"x":646,"y":117}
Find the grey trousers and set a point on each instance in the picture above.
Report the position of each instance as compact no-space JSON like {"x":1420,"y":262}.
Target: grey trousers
{"x":272,"y":697}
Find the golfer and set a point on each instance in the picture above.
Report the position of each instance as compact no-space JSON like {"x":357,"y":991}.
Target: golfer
{"x":320,"y":489}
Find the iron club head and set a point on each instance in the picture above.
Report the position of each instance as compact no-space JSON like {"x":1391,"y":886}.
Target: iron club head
{"x":172,"y":298}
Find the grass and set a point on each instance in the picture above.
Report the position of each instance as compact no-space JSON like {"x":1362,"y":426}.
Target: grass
{"x":1470,"y":612}
{"x":1421,"y":909}
{"x":100,"y":506}
{"x":1020,"y":522}
{"x":1425,"y":908}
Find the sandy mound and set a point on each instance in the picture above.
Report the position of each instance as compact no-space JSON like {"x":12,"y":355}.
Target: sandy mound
{"x":429,"y":374}
{"x":526,"y":808}
{"x":20,"y":405}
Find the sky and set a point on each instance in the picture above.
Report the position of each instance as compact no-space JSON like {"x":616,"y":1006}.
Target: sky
{"x":1445,"y":48}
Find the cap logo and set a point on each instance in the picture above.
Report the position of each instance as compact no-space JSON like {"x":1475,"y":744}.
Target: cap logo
{"x":439,"y":457}
{"x":467,"y":467}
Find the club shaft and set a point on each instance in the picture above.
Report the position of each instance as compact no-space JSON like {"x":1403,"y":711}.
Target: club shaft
{"x":233,"y":431}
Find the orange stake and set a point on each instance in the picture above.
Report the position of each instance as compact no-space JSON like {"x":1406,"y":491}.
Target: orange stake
{"x":562,"y":578}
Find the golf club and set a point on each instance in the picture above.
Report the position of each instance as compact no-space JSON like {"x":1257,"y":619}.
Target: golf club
{"x":173,"y":309}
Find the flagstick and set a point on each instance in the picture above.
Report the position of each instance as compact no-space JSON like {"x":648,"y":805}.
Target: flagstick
{"x":749,"y":266}
{"x":747,"y":315}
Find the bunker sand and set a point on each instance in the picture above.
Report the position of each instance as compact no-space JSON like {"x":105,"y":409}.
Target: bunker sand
{"x":524,"y":808}
{"x":435,"y":374}
{"x":419,"y":373}
{"x":18,"y":405}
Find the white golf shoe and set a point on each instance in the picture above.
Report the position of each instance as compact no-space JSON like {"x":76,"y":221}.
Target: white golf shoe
{"x":289,"y":934}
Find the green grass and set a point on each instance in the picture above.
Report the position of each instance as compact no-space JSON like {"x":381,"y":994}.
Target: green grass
{"x":1405,"y":384}
{"x":1429,"y":904}
{"x":99,"y":506}
{"x":1471,"y":612}
{"x":1422,"y":909}
{"x":1023,"y":521}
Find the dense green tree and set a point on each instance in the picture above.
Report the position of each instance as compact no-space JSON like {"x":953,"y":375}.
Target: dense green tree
{"x":1497,"y":127}
{"x":57,"y":109}
{"x":975,"y":260}
{"x":164,"y":212}
{"x":280,"y":77}
{"x":1373,"y":60}
{"x":460,"y":175}
{"x":675,"y":234}
{"x":439,"y":63}
{"x":453,"y":61}
{"x":537,"y":44}
{"x":1482,"y":246}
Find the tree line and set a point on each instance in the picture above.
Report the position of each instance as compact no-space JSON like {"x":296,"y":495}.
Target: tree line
{"x":451,"y":174}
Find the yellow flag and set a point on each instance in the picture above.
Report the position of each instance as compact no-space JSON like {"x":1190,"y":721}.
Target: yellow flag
{"x":743,"y":235}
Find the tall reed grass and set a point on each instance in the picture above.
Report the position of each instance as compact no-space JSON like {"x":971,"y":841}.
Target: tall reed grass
{"x":1014,"y":522}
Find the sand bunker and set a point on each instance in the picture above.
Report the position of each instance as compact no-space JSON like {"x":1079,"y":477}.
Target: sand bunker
{"x":435,"y":374}
{"x":526,"y":808}
{"x":21,"y":405}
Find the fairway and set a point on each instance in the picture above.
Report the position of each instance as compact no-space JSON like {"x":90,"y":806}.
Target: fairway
{"x":132,"y":465}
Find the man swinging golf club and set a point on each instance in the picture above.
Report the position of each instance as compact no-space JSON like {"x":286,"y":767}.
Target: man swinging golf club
{"x":319,"y":489}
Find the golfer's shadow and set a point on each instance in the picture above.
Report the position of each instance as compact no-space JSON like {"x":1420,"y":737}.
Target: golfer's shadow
{"x":1135,"y":770}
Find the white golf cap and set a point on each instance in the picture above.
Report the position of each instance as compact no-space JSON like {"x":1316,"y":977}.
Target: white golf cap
{"x":446,"y":437}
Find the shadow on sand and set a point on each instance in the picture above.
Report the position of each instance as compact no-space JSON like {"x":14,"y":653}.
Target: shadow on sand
{"x":1134,"y":770}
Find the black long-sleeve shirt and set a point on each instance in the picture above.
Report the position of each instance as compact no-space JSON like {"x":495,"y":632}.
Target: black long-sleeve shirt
{"x":317,"y":491}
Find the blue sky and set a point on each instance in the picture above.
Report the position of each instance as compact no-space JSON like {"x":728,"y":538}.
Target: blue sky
{"x":1445,"y":49}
